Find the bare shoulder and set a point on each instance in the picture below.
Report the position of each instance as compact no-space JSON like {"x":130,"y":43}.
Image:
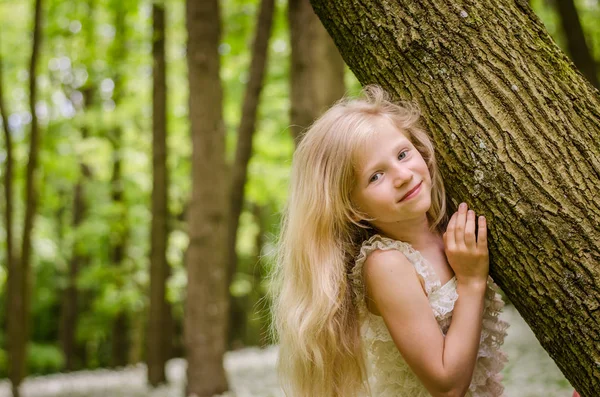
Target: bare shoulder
{"x":382,"y":262}
{"x":387,"y":273}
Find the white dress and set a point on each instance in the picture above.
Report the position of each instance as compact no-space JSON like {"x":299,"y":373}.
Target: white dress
{"x":388,"y":374}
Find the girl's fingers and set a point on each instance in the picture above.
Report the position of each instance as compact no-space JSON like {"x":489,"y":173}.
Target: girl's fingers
{"x":482,"y":233}
{"x":459,"y":228}
{"x":449,"y":235}
{"x":470,"y":229}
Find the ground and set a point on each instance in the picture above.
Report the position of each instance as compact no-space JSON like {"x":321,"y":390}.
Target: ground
{"x":529,"y":373}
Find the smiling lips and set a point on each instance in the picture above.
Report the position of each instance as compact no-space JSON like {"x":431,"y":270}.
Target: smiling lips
{"x":410,"y":192}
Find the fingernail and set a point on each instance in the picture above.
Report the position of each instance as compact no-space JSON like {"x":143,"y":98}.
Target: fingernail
{"x":463,"y":206}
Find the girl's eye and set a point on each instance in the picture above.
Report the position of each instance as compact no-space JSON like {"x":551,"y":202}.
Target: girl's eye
{"x":403,"y":155}
{"x":375,"y":177}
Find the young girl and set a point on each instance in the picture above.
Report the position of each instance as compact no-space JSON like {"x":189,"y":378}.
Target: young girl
{"x":377,"y":292}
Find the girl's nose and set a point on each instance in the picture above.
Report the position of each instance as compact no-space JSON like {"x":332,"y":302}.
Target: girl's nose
{"x":401,"y":176}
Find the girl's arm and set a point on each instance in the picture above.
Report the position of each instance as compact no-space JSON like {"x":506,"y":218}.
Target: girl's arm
{"x":444,"y":365}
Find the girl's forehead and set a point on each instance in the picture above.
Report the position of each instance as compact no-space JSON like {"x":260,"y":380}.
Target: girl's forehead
{"x":383,"y":132}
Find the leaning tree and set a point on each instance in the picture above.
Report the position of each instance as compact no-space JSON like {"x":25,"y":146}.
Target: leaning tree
{"x":517,"y":130}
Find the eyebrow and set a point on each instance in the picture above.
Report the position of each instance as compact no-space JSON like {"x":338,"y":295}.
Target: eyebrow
{"x":375,"y":165}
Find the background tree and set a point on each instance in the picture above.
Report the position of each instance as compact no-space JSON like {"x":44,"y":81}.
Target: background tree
{"x":516,"y":129}
{"x":159,"y":314}
{"x":577,"y":46}
{"x":247,"y":126}
{"x":19,"y":274}
{"x":120,"y":332}
{"x":317,"y":69}
{"x":206,"y":302}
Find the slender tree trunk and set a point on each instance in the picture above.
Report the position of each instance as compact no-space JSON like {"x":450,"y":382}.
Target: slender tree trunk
{"x":576,"y":44}
{"x":317,"y":69}
{"x":158,"y":327}
{"x":517,"y":131}
{"x":20,"y":277}
{"x":207,"y":298}
{"x":69,"y":306}
{"x":120,"y":330}
{"x":246,"y":132}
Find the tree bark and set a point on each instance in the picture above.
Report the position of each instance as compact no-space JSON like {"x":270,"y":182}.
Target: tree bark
{"x":517,"y":131}
{"x":576,"y":44}
{"x":20,"y":274}
{"x":246,"y":131}
{"x":158,"y":326}
{"x":207,"y":298}
{"x":317,"y":69}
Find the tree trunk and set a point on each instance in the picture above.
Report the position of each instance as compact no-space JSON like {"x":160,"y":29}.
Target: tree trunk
{"x":246,"y":132}
{"x":69,"y":300}
{"x":120,"y":330}
{"x":19,"y":276}
{"x":158,"y":328}
{"x":576,"y":44}
{"x":517,"y":131}
{"x":317,"y":69}
{"x":207,"y":297}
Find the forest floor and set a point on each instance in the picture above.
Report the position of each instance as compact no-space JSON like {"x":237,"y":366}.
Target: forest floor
{"x":529,"y":373}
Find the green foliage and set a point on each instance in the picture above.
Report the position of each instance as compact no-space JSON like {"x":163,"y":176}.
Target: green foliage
{"x":44,"y":359}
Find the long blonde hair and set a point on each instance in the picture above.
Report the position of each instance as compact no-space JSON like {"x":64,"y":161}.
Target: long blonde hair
{"x":315,"y":318}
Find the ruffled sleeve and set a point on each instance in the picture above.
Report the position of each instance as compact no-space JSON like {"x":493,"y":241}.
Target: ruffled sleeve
{"x":378,"y":242}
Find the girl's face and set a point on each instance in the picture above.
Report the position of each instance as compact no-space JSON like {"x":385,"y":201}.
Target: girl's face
{"x":393,"y":184}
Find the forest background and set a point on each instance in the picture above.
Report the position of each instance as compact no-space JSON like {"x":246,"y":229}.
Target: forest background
{"x":94,"y":108}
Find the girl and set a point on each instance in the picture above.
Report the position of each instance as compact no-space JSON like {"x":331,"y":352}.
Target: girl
{"x":376,"y":291}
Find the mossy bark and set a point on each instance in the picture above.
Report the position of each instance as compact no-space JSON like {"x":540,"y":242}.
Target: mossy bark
{"x":516,"y":128}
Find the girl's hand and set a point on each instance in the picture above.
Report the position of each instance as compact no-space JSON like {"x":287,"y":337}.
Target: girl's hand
{"x":467,"y":256}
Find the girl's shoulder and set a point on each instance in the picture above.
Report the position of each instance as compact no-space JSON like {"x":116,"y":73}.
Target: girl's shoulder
{"x":381,"y":243}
